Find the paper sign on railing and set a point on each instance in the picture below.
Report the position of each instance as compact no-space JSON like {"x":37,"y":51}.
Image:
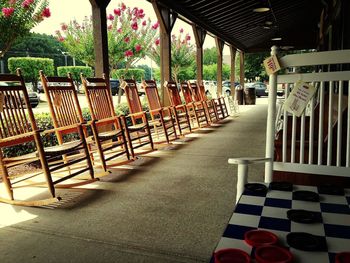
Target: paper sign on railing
{"x":271,"y":65}
{"x":299,"y":97}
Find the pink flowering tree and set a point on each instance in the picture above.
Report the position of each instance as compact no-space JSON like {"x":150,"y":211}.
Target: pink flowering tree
{"x":17,"y":18}
{"x":130,"y":37}
{"x":182,"y":54}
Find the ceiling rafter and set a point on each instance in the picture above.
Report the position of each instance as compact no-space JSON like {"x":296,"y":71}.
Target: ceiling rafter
{"x":235,"y":23}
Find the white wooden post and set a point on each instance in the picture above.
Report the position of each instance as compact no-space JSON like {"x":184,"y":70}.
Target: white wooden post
{"x":271,"y":117}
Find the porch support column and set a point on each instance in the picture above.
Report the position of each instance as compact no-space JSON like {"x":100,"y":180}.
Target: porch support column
{"x":100,"y":36}
{"x":199,"y":35}
{"x":166,"y":20}
{"x":241,"y":69}
{"x":219,"y":47}
{"x":233,"y":69}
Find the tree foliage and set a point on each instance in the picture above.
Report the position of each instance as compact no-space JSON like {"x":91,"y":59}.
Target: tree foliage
{"x":30,"y":68}
{"x":210,"y":71}
{"x":38,"y":45}
{"x":182,"y":53}
{"x":148,"y":71}
{"x":17,"y":18}
{"x":253,"y":65}
{"x":130,"y":37}
{"x":210,"y":56}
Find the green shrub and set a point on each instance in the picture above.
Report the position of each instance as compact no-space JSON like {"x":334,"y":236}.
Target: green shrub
{"x":75,"y":71}
{"x":135,"y":73}
{"x":30,"y":68}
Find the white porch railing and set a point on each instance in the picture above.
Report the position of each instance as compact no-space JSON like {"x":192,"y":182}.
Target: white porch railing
{"x":315,"y":142}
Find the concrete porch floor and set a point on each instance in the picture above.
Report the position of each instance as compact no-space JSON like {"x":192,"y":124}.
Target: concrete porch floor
{"x":173,"y":205}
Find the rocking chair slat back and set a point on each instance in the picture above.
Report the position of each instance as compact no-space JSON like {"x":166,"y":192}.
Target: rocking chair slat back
{"x":195,"y":91}
{"x":14,"y":103}
{"x":99,"y":98}
{"x":152,"y":94}
{"x":63,"y":100}
{"x":202,"y":92}
{"x":173,"y":93}
{"x":186,"y":91}
{"x":132,"y":96}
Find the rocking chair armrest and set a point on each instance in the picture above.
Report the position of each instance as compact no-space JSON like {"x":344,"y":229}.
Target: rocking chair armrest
{"x":62,"y":128}
{"x":168,"y":108}
{"x":242,"y":171}
{"x":17,"y":137}
{"x":182,"y":106}
{"x":140,"y":114}
{"x":109,"y":119}
{"x":156,"y":110}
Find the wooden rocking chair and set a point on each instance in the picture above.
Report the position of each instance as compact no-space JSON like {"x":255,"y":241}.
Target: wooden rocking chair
{"x":161,"y":116}
{"x":218,"y":103}
{"x":209,"y":105}
{"x":139,"y":130}
{"x":179,"y":110}
{"x":65,"y":110}
{"x":17,"y":127}
{"x":107,"y":128}
{"x":196,"y":110}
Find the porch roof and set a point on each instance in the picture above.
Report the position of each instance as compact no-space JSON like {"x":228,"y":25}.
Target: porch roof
{"x":236,"y":23}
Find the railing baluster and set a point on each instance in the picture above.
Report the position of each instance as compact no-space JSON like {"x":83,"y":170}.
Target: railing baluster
{"x":311,"y":130}
{"x":302,"y":139}
{"x":330,"y":124}
{"x":320,"y":124}
{"x":348,"y":133}
{"x":285,"y":127}
{"x":340,"y":122}
{"x":294,"y":128}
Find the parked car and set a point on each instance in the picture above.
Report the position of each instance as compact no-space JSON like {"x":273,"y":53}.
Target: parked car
{"x":260,"y":89}
{"x":40,"y":88}
{"x":280,"y":89}
{"x":226,"y":87}
{"x":33,"y":99}
{"x":211,"y":87}
{"x":115,"y":84}
{"x":140,"y":89}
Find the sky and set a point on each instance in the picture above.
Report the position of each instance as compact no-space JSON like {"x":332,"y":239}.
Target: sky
{"x":63,"y":11}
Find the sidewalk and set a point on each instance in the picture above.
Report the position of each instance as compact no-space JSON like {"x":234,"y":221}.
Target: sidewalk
{"x":169,"y":206}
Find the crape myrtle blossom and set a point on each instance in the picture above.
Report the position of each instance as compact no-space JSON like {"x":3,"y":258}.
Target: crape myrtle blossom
{"x":22,"y":15}
{"x":130,"y":37}
{"x":182,"y":53}
{"x":8,"y":11}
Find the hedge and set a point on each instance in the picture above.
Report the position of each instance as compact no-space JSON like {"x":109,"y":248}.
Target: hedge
{"x":136,"y":73}
{"x":75,"y":71}
{"x":30,"y":67}
{"x":44,"y":122}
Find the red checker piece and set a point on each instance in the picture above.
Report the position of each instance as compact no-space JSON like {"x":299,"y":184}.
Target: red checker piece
{"x":272,"y":254}
{"x":258,"y":238}
{"x":231,"y":255}
{"x":343,"y":257}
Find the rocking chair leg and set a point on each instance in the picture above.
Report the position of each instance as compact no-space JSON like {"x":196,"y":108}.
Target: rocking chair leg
{"x":5,"y":179}
{"x":125,"y":145}
{"x":45,"y":165}
{"x":99,"y":147}
{"x":165,"y":129}
{"x":88,"y":160}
